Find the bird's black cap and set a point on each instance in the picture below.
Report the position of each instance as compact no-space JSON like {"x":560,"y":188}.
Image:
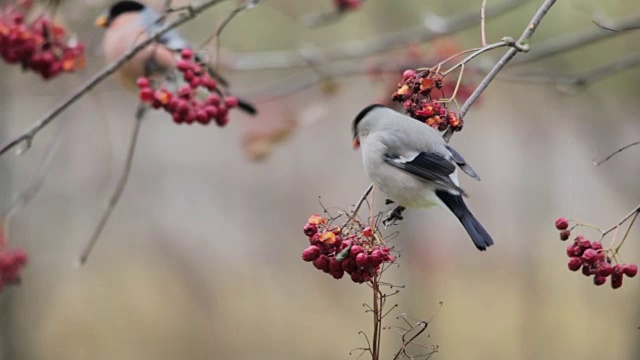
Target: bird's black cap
{"x":362,"y":114}
{"x":122,"y":7}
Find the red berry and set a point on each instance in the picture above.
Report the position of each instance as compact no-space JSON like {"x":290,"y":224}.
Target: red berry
{"x":202,"y":117}
{"x":310,"y":229}
{"x":20,"y":258}
{"x":630,"y":270}
{"x":616,"y":281}
{"x":618,"y":270}
{"x":183,"y":65}
{"x":604,"y":269}
{"x":143,"y":82}
{"x":589,"y":256}
{"x":349,"y":265}
{"x":599,"y":280}
{"x":562,"y":223}
{"x":587,"y":270}
{"x":146,"y":95}
{"x":231,"y":101}
{"x":564,"y":234}
{"x":574,"y":263}
{"x":194,"y":83}
{"x":367,"y":232}
{"x":357,"y":277}
{"x":337,"y":274}
{"x":186,"y":53}
{"x":407,"y":74}
{"x":596,"y":245}
{"x":584,"y":243}
{"x":321,"y":263}
{"x":377,"y":257}
{"x":574,"y":250}
{"x":335,"y":265}
{"x":222,"y":120}
{"x":311,"y":253}
{"x":213,"y":99}
{"x":356,"y":249}
{"x":212,"y":112}
{"x":362,"y":259}
{"x":209,"y":83}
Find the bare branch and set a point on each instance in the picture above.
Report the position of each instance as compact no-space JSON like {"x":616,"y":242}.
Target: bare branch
{"x":613,"y":153}
{"x":555,"y":46}
{"x":434,"y":27}
{"x":27,"y":137}
{"x":117,"y":193}
{"x":522,"y":47}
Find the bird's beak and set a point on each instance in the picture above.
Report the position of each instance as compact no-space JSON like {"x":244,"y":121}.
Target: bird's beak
{"x":356,"y":143}
{"x":102,"y":20}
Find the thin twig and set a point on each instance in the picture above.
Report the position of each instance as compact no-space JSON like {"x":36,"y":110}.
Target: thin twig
{"x":216,"y":35}
{"x":504,"y":42}
{"x":613,"y":153}
{"x":522,"y":45}
{"x":555,"y":46}
{"x":27,"y":137}
{"x":625,"y":218}
{"x":117,"y":193}
{"x":483,"y":33}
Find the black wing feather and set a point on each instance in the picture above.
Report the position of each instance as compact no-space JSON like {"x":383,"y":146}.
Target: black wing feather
{"x":428,"y":167}
{"x":462,"y":163}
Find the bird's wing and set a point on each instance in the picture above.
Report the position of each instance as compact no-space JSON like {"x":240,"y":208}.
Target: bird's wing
{"x":458,"y":159}
{"x":426,"y":166}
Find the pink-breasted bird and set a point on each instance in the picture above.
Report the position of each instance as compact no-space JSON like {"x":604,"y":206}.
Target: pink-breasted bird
{"x":127,"y":23}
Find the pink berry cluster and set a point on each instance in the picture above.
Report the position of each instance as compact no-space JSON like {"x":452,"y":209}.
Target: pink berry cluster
{"x":337,"y":251}
{"x":41,"y":46}
{"x":593,"y":259}
{"x":416,"y":93}
{"x":184,"y":105}
{"x":347,"y":5}
{"x":11,"y":263}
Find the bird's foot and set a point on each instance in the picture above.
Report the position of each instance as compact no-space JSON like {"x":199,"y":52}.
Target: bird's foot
{"x":393,"y":216}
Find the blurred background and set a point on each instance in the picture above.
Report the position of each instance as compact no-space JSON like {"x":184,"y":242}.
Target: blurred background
{"x":201,"y":259}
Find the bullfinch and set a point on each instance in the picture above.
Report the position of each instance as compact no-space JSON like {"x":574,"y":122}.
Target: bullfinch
{"x":412,"y":164}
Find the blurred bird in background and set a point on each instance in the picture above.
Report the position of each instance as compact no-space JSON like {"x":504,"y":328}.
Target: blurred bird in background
{"x":127,"y":23}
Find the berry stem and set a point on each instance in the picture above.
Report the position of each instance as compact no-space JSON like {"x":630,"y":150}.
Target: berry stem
{"x":354,"y":214}
{"x":626,"y":233}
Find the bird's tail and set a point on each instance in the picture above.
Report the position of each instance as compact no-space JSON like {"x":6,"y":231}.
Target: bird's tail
{"x":455,"y":203}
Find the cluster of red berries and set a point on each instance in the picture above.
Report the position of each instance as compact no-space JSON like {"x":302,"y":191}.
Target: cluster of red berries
{"x":11,"y":263}
{"x":347,"y":5}
{"x":336,"y":252}
{"x":42,"y":46}
{"x":185,"y":105}
{"x":415,"y":92}
{"x":593,"y":259}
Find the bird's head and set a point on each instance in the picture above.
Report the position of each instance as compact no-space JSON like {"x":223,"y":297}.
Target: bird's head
{"x":362,"y":122}
{"x":121,"y":7}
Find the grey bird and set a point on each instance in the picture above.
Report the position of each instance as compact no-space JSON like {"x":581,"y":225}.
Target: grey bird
{"x":412,"y":164}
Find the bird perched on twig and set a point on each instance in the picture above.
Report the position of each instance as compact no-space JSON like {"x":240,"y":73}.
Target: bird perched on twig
{"x":127,"y":23}
{"x":412,"y":164}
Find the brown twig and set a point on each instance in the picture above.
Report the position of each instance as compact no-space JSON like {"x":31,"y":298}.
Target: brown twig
{"x":555,"y":46}
{"x":249,"y":4}
{"x":521,"y":45}
{"x":483,"y":32}
{"x":27,"y":137}
{"x":117,"y":193}
{"x":598,"y":163}
{"x":624,"y":219}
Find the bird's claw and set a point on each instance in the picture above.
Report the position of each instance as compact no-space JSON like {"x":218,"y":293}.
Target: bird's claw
{"x":393,"y":216}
